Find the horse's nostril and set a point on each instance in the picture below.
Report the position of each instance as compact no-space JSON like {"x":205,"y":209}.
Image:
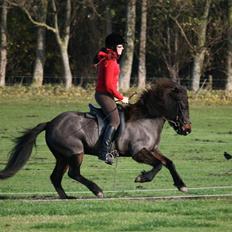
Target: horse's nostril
{"x":186,"y":128}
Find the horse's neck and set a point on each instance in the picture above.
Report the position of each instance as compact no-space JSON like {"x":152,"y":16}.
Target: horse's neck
{"x":149,"y":123}
{"x":138,"y":111}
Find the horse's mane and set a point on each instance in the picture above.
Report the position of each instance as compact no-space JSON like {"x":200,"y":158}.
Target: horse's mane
{"x":150,"y":102}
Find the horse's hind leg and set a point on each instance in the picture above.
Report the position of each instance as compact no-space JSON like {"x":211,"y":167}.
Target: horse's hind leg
{"x":74,"y":172}
{"x":57,"y":175}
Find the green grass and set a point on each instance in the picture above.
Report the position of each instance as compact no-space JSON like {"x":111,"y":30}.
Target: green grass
{"x":118,"y":215}
{"x":198,"y":158}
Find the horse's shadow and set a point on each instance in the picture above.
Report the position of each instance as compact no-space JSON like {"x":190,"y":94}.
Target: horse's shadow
{"x":30,"y":197}
{"x":36,"y":197}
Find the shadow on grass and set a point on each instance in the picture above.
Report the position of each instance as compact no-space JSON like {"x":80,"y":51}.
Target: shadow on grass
{"x":28,"y":197}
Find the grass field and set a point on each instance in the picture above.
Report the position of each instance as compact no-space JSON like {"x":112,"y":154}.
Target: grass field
{"x":28,"y":201}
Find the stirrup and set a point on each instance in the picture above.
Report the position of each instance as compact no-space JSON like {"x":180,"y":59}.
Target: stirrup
{"x":110,"y":157}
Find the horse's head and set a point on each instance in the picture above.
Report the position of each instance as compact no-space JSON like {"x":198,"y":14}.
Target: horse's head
{"x":166,"y":99}
{"x":169,"y":100}
{"x":176,"y":109}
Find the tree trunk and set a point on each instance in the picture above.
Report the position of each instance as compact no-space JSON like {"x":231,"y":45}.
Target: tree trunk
{"x":63,"y":41}
{"x":3,"y":48}
{"x":229,"y":54}
{"x":66,"y":65}
{"x":170,"y":56}
{"x":108,"y":20}
{"x":38,"y":72}
{"x":200,"y":55}
{"x":127,"y":59}
{"x":174,"y":72}
{"x":197,"y":69}
{"x":142,"y":48}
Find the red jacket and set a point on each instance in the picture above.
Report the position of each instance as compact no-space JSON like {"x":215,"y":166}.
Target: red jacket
{"x":108,"y":74}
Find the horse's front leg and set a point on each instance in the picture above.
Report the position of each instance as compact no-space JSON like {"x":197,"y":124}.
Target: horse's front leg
{"x":178,"y":182}
{"x":146,"y":157}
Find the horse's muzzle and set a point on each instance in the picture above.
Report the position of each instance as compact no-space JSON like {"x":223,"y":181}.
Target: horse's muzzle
{"x":185,"y":129}
{"x":181,"y":128}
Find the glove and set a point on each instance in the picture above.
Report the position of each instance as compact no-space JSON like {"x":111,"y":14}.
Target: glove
{"x":125,"y":100}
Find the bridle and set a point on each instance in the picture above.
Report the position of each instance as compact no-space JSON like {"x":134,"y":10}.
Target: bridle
{"x":180,"y":113}
{"x":179,"y":118}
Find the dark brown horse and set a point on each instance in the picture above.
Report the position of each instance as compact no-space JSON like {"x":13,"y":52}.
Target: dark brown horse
{"x":70,"y":135}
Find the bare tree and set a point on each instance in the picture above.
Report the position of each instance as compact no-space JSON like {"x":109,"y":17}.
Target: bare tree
{"x":142,"y":47}
{"x":171,"y":55}
{"x":200,"y":54}
{"x":38,"y":71}
{"x":63,"y":40}
{"x":168,"y":33}
{"x":3,"y":47}
{"x":60,"y":27}
{"x":128,"y":56}
{"x":229,"y":55}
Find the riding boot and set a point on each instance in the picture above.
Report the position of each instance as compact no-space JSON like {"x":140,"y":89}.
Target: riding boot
{"x":106,"y":145}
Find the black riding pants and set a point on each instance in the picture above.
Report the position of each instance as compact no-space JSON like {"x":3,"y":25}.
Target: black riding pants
{"x":109,"y":108}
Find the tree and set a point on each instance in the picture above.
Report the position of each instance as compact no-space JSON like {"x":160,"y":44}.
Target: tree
{"x":38,"y":71}
{"x":63,"y":40}
{"x":3,"y":48}
{"x":142,"y":47}
{"x":229,"y":43}
{"x":169,"y":47}
{"x":201,"y":48}
{"x":127,"y":59}
{"x":61,"y":28}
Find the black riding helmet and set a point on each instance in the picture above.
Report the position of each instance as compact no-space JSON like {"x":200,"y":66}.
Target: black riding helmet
{"x":112,"y":40}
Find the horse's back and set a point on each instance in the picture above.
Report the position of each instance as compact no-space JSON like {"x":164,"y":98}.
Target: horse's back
{"x":70,"y":131}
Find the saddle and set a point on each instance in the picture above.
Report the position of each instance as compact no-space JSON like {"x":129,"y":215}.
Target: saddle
{"x":102,"y":119}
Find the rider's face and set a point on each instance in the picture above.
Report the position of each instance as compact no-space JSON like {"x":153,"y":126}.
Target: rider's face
{"x":119,"y":49}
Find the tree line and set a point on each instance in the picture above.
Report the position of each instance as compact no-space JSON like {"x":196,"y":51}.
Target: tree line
{"x":189,"y":41}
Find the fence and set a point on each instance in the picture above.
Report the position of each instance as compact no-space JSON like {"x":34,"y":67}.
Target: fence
{"x":206,"y":82}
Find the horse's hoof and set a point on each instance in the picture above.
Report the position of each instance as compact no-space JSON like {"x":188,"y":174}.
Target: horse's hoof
{"x":138,"y":179}
{"x":183,"y":189}
{"x":100,"y":195}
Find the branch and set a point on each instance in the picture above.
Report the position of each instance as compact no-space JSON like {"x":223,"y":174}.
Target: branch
{"x":183,"y":34}
{"x":94,"y":8}
{"x":55,"y":18}
{"x":37,"y":23}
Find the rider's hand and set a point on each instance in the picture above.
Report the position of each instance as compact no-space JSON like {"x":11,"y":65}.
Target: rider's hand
{"x":125,"y":100}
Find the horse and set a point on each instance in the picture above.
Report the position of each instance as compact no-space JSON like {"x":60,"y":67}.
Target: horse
{"x":70,"y":135}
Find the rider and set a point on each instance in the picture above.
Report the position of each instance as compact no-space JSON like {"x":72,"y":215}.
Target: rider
{"x":107,"y":61}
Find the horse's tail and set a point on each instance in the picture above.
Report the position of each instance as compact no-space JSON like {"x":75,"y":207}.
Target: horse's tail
{"x":22,"y":150}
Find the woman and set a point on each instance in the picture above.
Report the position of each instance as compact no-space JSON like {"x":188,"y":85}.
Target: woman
{"x":108,"y":68}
